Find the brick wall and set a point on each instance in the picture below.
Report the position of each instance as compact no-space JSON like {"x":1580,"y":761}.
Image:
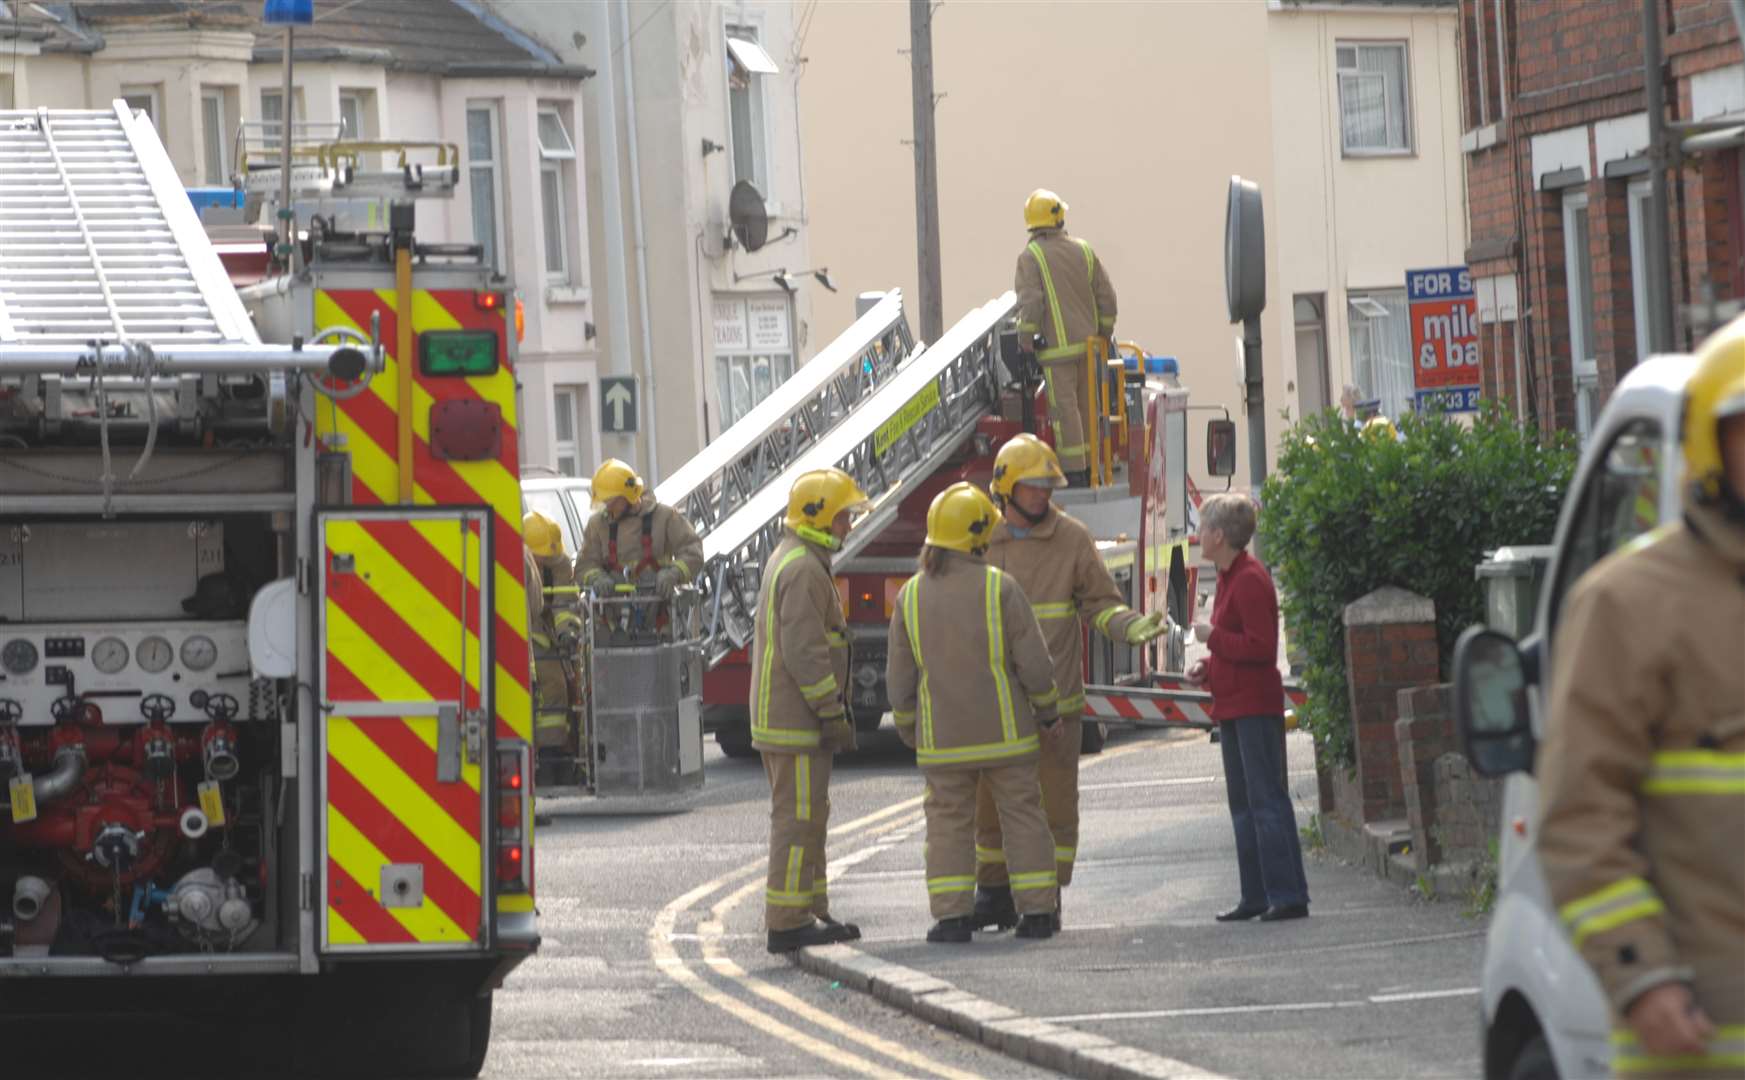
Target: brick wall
{"x":1571,"y":64}
{"x":1468,"y":809}
{"x":1424,"y":732}
{"x":1390,"y":645}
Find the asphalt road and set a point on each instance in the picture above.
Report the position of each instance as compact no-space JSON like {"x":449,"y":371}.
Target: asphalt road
{"x":653,"y":963}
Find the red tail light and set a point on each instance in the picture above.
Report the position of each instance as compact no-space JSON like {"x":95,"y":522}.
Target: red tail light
{"x":514,"y":812}
{"x":490,"y":301}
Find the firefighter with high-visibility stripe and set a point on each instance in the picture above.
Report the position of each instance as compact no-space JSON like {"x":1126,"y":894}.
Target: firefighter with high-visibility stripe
{"x":1053,"y":557}
{"x":1642,"y":770}
{"x":632,"y":539}
{"x":1064,"y":294}
{"x":799,"y":717}
{"x":972,"y":690}
{"x":554,"y":626}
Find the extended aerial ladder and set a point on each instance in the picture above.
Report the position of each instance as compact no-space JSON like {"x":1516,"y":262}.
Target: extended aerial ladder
{"x":890,"y":440}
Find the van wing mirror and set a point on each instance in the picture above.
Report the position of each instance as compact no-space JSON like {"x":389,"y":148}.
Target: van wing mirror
{"x":1221,"y":447}
{"x":1492,"y":678}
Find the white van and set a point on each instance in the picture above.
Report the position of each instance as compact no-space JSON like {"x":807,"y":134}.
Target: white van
{"x":1545,"y":1015}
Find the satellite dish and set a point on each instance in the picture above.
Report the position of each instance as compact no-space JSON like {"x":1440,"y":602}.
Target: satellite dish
{"x":746,"y":213}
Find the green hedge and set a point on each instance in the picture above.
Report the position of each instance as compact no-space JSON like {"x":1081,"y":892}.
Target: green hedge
{"x":1346,"y":514}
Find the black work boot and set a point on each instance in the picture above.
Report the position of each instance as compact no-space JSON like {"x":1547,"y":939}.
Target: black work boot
{"x":1037,"y":926}
{"x":953,"y":931}
{"x":994,"y":908}
{"x":817,"y":933}
{"x":845,"y":931}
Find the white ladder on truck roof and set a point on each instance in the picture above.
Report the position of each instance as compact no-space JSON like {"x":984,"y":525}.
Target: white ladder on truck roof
{"x":714,"y":485}
{"x":101,"y":253}
{"x":895,"y":440}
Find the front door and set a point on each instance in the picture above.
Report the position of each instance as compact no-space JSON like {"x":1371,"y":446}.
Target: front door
{"x":405,"y":703}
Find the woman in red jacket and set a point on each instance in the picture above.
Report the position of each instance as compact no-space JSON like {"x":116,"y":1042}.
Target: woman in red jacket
{"x":1248,"y":703}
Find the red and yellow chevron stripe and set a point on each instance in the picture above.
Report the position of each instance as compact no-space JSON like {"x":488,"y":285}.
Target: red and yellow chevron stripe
{"x":394,"y":633}
{"x":368,"y":423}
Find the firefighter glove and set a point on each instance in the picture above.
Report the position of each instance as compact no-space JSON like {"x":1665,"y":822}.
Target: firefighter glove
{"x":669,"y":580}
{"x":838,"y":736}
{"x":1143,"y":629}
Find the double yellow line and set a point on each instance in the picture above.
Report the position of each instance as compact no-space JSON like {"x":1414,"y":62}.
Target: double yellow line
{"x":745,"y":882}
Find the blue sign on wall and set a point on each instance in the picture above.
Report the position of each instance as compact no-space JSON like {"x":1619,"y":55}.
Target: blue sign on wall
{"x":280,"y":12}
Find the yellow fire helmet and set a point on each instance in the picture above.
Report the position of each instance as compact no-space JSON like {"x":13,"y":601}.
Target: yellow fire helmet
{"x":815,"y":500}
{"x":961,"y":519}
{"x":1044,"y":210}
{"x":613,"y":479}
{"x":542,"y":535}
{"x":1024,"y":459}
{"x":1714,"y":393}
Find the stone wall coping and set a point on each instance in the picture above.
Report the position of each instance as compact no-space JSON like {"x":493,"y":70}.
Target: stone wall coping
{"x":1390,"y":605}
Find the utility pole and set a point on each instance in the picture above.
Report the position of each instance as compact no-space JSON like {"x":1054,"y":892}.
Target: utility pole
{"x":1659,"y":270}
{"x":926,"y":170}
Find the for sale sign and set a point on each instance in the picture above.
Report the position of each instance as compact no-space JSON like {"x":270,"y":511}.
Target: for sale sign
{"x":1444,"y":317}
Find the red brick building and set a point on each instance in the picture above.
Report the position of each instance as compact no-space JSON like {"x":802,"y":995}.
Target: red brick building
{"x":1556,"y":140}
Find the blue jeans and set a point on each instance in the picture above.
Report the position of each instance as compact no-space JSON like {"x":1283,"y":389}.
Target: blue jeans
{"x":1268,"y":855}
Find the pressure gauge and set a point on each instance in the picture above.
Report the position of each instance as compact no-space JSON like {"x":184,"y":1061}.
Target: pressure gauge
{"x":109,"y":655}
{"x":154,"y":654}
{"x":199,"y":653}
{"x":18,"y":657}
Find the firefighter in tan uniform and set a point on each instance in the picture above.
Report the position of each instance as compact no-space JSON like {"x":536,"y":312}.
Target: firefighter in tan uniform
{"x":1643,"y":766}
{"x":1064,"y":294}
{"x":799,"y":668}
{"x":972,"y":690}
{"x":1054,"y":559}
{"x":632,"y":538}
{"x":555,"y":627}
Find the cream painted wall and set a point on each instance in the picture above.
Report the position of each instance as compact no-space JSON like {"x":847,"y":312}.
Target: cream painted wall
{"x":1135,"y":113}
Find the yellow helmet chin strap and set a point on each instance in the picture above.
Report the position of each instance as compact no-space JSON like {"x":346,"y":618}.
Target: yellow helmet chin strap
{"x":818,"y":536}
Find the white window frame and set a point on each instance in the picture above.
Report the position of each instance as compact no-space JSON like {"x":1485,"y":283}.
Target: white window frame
{"x":1342,"y":74}
{"x":1385,"y":330}
{"x":1639,"y":197}
{"x":357,"y":107}
{"x":566,"y":403}
{"x":1578,"y":280}
{"x":212,"y":138}
{"x":497,"y":253}
{"x":742,"y":359}
{"x":154,"y":102}
{"x":749,"y":29}
{"x":556,"y":166}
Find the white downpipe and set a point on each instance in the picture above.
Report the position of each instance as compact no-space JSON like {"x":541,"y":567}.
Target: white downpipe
{"x":617,"y":305}
{"x":647,"y":395}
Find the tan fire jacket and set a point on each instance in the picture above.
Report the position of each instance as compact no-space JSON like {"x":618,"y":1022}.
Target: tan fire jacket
{"x":968,"y":673}
{"x":1642,"y":774}
{"x":1067,"y":585}
{"x":672,"y":542}
{"x":535,"y":591}
{"x":558,"y":611}
{"x":1064,"y":294}
{"x":799,"y":654}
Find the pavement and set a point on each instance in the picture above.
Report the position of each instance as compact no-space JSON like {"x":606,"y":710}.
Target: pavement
{"x":1142,"y":982}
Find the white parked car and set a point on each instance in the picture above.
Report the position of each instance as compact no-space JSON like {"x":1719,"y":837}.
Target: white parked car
{"x":1545,"y":1015}
{"x":564,"y":499}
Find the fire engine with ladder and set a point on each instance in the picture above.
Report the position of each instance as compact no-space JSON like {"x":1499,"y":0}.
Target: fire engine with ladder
{"x":907,"y":420}
{"x":264,"y":672}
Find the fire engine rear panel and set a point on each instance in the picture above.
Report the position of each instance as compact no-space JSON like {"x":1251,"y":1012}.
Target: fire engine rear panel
{"x":401,"y":681}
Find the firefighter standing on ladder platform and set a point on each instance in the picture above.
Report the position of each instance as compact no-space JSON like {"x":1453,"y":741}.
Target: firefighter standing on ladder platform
{"x":555,"y":628}
{"x":1064,"y":294}
{"x":632,"y":538}
{"x":1054,"y":559}
{"x":799,"y":666}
